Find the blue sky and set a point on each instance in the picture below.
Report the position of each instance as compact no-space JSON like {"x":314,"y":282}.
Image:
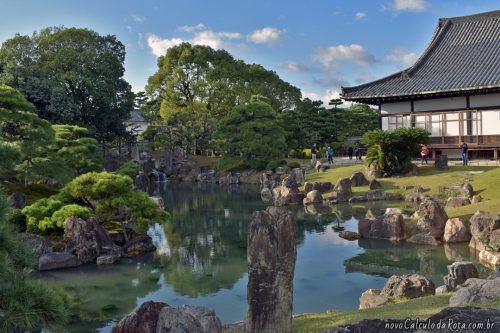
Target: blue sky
{"x":316,"y":45}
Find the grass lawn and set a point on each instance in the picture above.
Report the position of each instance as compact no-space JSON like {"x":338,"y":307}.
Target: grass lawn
{"x":485,"y":181}
{"x":421,"y":308}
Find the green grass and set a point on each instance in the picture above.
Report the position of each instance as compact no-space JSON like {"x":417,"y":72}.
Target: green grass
{"x":421,"y":308}
{"x":486,"y":183}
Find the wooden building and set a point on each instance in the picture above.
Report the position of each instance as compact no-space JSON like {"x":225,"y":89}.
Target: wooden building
{"x":452,"y":90}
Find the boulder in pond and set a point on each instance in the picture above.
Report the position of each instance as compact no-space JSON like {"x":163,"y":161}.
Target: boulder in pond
{"x":349,"y":235}
{"x":390,"y":227}
{"x":490,"y":258}
{"x":38,"y":245}
{"x":475,"y":291}
{"x":319,"y":186}
{"x":372,"y":298}
{"x":374,"y":195}
{"x":313,"y":197}
{"x":455,"y":231}
{"x":57,"y":260}
{"x":432,"y":218}
{"x":482,"y":225}
{"x":139,"y":245}
{"x":408,"y":286}
{"x":423,"y":239}
{"x":343,"y":187}
{"x":266,"y":194}
{"x":143,"y":319}
{"x":458,"y":273}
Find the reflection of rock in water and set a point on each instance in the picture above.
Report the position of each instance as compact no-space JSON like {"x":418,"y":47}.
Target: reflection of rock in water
{"x":271,"y":256}
{"x":457,"y":252}
{"x":157,"y":234}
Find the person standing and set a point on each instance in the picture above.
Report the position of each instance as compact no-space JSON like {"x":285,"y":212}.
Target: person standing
{"x":329,"y":153}
{"x":314,"y":151}
{"x":350,"y":152}
{"x":464,"y":150}
{"x":424,"y":152}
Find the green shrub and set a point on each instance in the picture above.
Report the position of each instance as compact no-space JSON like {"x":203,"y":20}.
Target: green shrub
{"x":293,"y":165}
{"x":100,"y":194}
{"x":272,"y":165}
{"x":130,"y":168}
{"x":296,"y":154}
{"x":40,"y":210}
{"x":18,"y":219}
{"x":57,"y":219}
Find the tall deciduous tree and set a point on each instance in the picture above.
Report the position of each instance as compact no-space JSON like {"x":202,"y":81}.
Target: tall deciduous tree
{"x":253,"y":132}
{"x":72,"y":76}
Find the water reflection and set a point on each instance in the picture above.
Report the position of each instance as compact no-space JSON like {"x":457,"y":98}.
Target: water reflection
{"x":202,"y":259}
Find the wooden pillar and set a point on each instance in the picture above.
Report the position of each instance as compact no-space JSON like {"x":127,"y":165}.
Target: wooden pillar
{"x":433,"y":151}
{"x":495,"y":154}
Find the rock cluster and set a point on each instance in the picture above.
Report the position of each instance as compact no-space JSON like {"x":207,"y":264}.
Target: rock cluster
{"x":389,"y":226}
{"x":154,"y":317}
{"x":485,"y":230}
{"x":458,"y":273}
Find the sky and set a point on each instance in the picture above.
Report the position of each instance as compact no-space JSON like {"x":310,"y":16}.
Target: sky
{"x":316,"y":45}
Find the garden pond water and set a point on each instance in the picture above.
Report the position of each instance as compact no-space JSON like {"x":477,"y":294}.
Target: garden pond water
{"x":201,"y":260}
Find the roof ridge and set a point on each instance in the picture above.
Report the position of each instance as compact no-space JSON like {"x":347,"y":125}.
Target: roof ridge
{"x":473,"y":17}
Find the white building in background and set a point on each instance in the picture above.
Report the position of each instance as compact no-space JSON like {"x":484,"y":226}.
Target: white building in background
{"x":453,"y":89}
{"x":136,"y":124}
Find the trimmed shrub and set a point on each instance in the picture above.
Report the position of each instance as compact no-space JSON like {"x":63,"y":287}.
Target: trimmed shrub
{"x":130,"y":168}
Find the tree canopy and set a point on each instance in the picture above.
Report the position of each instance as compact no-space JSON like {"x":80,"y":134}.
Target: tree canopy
{"x":72,"y":76}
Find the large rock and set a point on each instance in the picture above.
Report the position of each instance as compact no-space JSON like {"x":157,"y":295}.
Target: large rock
{"x":17,"y":200}
{"x":38,"y":245}
{"x":455,"y":202}
{"x":423,"y":239}
{"x":390,"y":227}
{"x":416,"y":196}
{"x":266,"y":194}
{"x":441,"y":162}
{"x":458,"y":273}
{"x":489,"y":258}
{"x":139,"y":245}
{"x":467,"y":190}
{"x":372,"y":298}
{"x":455,"y":231}
{"x":298,"y":174}
{"x":57,"y":260}
{"x":141,"y":182}
{"x":476,"y":290}
{"x":432,"y":218}
{"x":359,"y":179}
{"x":271,"y":255}
{"x":143,"y":319}
{"x":374,"y":195}
{"x":343,"y":187}
{"x":313,"y":197}
{"x":482,"y":224}
{"x":408,"y":286}
{"x":86,"y":239}
{"x":289,"y":191}
{"x":476,"y":199}
{"x":349,"y":235}
{"x":318,"y":186}
{"x":155,"y":317}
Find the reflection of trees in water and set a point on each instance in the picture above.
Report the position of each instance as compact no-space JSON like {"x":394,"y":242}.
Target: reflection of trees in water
{"x":385,"y":258}
{"x":104,"y":292}
{"x":208,"y":236}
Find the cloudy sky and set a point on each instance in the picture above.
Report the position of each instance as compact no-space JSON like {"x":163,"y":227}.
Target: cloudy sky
{"x":317,"y":45}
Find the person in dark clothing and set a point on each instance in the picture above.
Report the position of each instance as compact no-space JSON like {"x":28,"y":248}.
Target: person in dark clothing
{"x":314,"y":151}
{"x":464,"y":150}
{"x":350,"y":152}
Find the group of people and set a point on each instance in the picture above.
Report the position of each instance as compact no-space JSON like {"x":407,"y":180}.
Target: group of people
{"x":464,"y":152}
{"x":329,"y":153}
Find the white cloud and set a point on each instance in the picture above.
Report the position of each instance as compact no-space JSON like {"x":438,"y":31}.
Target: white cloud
{"x":360,"y":15}
{"x":129,"y":28}
{"x":401,"y":56}
{"x":216,"y":40}
{"x":410,"y":5}
{"x":192,"y":28}
{"x":266,"y":35}
{"x":325,"y":96}
{"x":160,"y":46}
{"x":293,"y":66}
{"x":354,"y":53}
{"x":138,"y":19}
{"x":140,"y":41}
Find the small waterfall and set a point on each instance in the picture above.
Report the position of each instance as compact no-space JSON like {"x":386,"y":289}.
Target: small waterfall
{"x":157,"y":234}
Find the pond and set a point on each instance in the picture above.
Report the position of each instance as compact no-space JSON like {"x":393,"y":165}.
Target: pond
{"x":202,"y":260}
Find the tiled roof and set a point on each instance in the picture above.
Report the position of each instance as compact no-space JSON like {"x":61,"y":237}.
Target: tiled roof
{"x":136,"y":117}
{"x":463,"y":55}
